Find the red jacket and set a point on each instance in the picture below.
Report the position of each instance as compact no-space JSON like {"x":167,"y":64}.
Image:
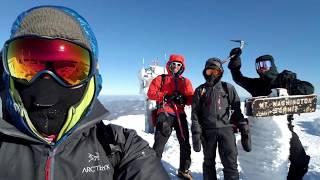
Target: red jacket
{"x":184,"y":86}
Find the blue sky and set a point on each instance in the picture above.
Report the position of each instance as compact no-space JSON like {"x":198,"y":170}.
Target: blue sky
{"x":128,"y":31}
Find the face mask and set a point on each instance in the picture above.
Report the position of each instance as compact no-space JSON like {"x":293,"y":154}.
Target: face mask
{"x":211,"y":74}
{"x":47,"y":103}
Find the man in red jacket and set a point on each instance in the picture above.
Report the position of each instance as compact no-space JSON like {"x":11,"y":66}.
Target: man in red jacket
{"x":172,"y":92}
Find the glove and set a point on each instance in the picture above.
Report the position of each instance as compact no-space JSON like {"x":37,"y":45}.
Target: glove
{"x":235,"y":61}
{"x":285,"y":79}
{"x":168,"y":98}
{"x":245,"y":135}
{"x":196,"y":142}
{"x":235,"y":53}
{"x":178,"y":98}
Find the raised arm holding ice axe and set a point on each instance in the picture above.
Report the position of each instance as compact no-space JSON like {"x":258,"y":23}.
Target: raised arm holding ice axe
{"x":269,"y":79}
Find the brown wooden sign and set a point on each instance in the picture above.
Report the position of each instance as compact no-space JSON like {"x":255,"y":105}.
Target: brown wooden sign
{"x":275,"y":106}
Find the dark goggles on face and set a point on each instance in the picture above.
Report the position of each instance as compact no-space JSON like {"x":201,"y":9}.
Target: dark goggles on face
{"x":263,"y":65}
{"x":214,"y":71}
{"x":27,"y":58}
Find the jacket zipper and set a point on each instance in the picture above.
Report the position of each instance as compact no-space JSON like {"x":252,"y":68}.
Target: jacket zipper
{"x":48,"y":168}
{"x":49,"y":165}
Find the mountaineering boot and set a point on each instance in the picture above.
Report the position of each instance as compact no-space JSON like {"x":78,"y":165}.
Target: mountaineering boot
{"x":185,"y":174}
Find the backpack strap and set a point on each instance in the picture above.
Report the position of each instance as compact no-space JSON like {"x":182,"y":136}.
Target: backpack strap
{"x":163,"y":78}
{"x":226,"y":90}
{"x":107,"y":140}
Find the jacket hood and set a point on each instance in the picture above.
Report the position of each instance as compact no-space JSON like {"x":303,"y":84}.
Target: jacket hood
{"x":176,"y":58}
{"x":60,"y":22}
{"x":273,"y":72}
{"x":210,"y":63}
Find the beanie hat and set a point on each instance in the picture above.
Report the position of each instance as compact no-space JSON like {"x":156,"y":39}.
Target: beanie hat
{"x":213,"y":62}
{"x":53,"y":23}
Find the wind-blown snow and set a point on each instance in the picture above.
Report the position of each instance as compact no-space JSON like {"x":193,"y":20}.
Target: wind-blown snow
{"x":250,"y":164}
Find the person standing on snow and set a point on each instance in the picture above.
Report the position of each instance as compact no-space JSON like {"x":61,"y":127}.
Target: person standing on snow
{"x":172,"y":92}
{"x":52,"y":120}
{"x":269,"y":79}
{"x":213,"y":104}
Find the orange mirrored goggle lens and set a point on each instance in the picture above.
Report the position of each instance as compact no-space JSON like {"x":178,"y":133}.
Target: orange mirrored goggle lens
{"x":25,"y":57}
{"x":215,"y":72}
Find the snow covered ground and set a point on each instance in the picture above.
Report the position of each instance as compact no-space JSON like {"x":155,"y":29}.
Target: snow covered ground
{"x":307,"y":126}
{"x":129,"y":112}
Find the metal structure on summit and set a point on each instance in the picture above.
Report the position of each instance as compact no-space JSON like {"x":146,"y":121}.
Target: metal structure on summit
{"x":146,"y":75}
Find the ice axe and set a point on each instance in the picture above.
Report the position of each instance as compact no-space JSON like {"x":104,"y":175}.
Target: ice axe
{"x":242,"y":43}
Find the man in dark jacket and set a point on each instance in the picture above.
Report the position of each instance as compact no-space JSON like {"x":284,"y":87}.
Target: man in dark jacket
{"x":213,"y":104}
{"x":52,"y":121}
{"x":172,"y":92}
{"x":269,"y":79}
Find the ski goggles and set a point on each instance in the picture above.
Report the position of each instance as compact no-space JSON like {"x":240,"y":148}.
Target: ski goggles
{"x":213,"y":71}
{"x":263,"y":65}
{"x":28,"y":57}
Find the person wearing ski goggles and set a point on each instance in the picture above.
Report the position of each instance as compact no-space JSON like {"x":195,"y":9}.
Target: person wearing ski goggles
{"x":270,"y":78}
{"x":214,"y":103}
{"x":27,"y":58}
{"x":51,"y":127}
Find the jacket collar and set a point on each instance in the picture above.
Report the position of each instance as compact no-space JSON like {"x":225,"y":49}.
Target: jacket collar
{"x":97,"y":114}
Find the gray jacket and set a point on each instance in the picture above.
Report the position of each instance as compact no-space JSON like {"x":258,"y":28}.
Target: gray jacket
{"x":211,"y":107}
{"x":83,"y":154}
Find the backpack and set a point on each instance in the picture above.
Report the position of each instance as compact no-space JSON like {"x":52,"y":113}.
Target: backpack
{"x":232,"y":117}
{"x":154,"y":112}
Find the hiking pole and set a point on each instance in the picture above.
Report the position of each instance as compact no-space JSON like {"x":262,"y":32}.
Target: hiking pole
{"x":242,"y":43}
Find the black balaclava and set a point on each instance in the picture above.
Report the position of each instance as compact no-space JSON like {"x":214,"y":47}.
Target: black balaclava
{"x":212,"y":63}
{"x":270,"y":74}
{"x":47,"y":103}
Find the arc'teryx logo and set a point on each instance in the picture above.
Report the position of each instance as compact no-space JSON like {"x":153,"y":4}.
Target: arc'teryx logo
{"x":96,"y":168}
{"x":93,"y":157}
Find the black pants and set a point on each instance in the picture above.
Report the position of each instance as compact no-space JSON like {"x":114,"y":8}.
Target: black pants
{"x":224,"y":139}
{"x":299,"y":160}
{"x":163,"y":131}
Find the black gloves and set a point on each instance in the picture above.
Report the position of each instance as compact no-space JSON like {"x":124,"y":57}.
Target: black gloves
{"x":176,"y":97}
{"x":235,"y":61}
{"x":196,"y":142}
{"x":235,"y":52}
{"x":245,"y":135}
